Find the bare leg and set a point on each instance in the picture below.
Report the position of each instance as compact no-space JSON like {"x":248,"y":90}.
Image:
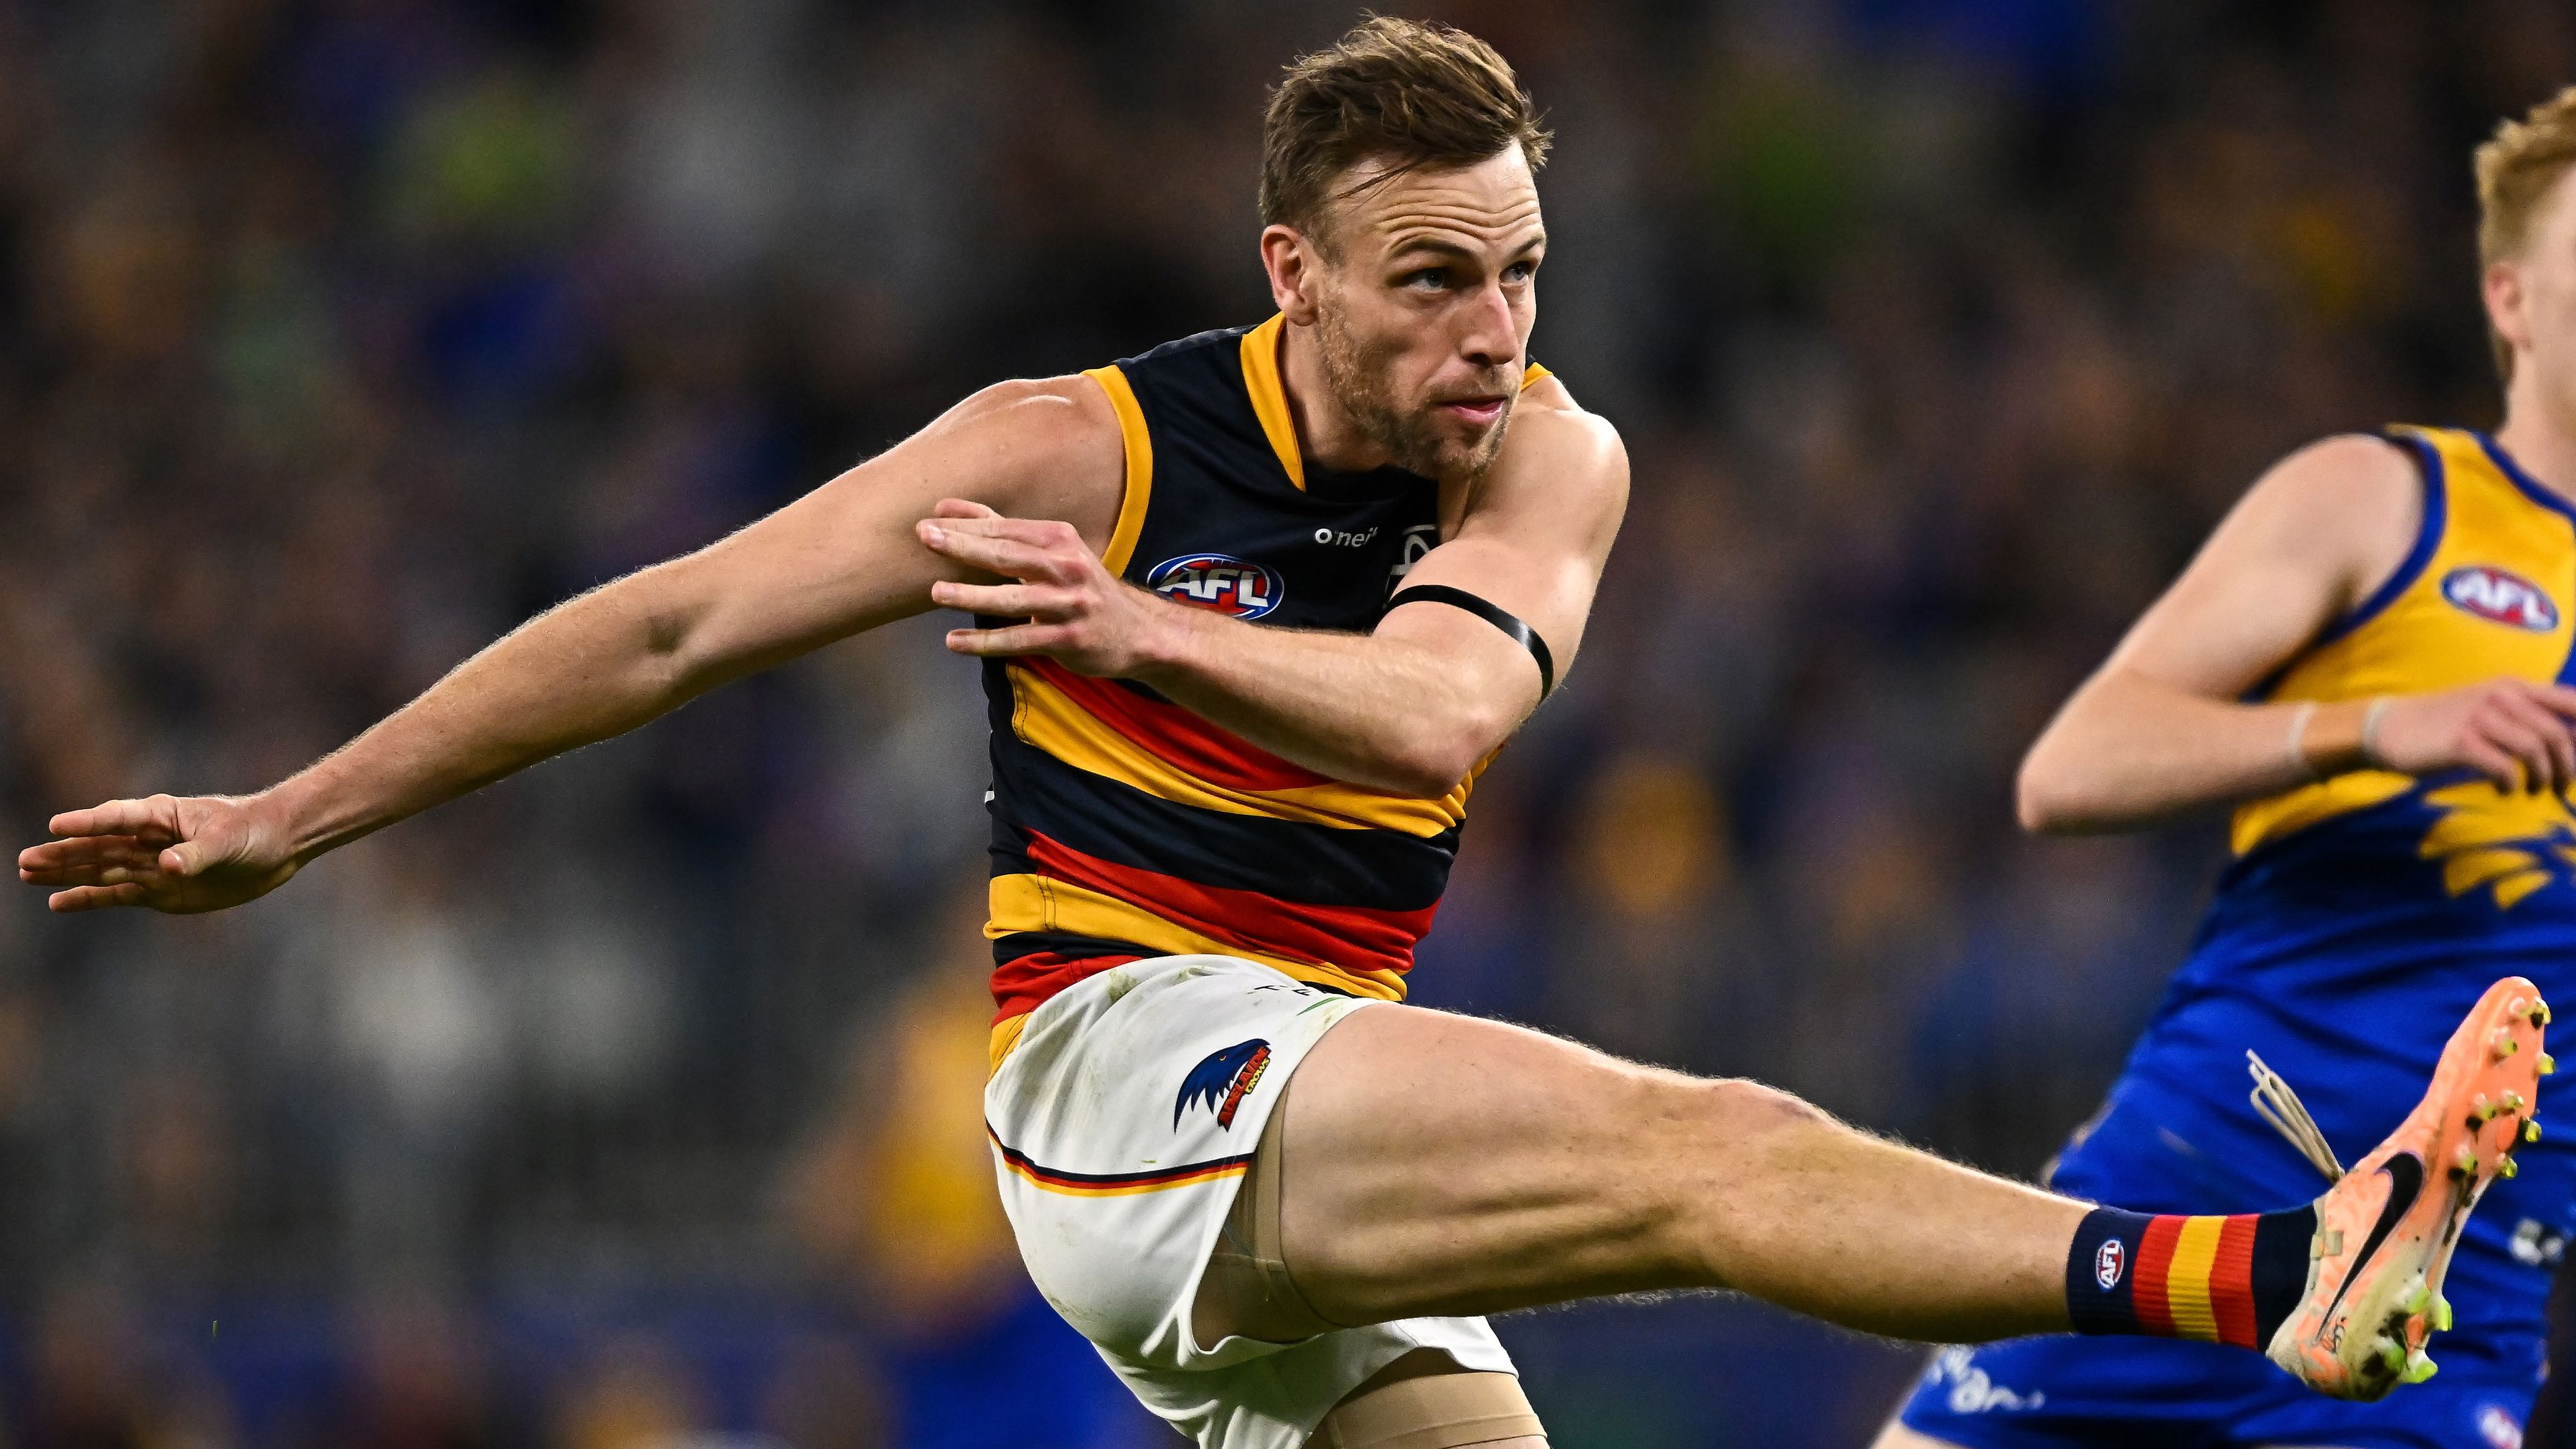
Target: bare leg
{"x":1439,"y":1164}
{"x":1409,"y":1424}
{"x":1897,"y":1436}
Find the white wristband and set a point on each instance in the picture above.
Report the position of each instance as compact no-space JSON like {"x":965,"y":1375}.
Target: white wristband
{"x":2296,"y":744}
{"x":2370,"y":731}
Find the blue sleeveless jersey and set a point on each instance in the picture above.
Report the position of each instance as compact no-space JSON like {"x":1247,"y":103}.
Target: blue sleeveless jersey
{"x":2363,"y":915}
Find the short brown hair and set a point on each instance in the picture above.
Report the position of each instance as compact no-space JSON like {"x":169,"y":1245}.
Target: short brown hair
{"x":2516,"y":169}
{"x":1411,"y":94}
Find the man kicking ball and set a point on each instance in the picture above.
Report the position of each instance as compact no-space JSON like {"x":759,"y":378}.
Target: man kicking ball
{"x":1257,"y":606}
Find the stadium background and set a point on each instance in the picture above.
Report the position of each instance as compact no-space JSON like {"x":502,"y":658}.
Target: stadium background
{"x":632,"y":1103}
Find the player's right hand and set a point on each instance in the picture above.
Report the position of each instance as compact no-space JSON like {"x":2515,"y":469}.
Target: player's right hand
{"x":174,"y":854}
{"x":2519,"y":734}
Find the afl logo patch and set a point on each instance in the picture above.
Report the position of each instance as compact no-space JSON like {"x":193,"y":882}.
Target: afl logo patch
{"x":2109,"y":1260}
{"x":2505,"y":598}
{"x":1218,"y":581}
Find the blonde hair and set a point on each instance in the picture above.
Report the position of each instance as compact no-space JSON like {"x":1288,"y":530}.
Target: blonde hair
{"x":2516,"y":169}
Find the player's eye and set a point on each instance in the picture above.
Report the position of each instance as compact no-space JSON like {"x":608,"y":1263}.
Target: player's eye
{"x":1429,"y":279}
{"x":1520,"y":271}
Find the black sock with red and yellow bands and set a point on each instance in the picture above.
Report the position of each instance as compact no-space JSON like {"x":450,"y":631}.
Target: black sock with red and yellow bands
{"x":2217,"y":1279}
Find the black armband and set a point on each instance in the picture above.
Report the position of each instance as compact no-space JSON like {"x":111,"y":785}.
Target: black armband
{"x":1503,"y":619}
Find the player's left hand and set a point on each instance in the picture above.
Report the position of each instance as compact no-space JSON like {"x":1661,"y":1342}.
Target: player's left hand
{"x":1079,"y":613}
{"x":178,"y":854}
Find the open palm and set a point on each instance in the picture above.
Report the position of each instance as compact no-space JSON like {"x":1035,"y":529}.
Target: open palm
{"x":174,"y":854}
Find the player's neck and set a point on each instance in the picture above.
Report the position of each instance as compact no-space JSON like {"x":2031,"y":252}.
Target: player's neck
{"x":2539,"y":438}
{"x":1328,"y":435}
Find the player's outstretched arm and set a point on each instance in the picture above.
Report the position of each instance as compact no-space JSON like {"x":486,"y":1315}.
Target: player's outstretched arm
{"x":2162,"y":728}
{"x":842,"y":559}
{"x":1411,"y":707}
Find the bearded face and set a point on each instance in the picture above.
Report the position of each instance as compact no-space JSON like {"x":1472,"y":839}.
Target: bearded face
{"x":1419,"y":290}
{"x":1416,"y":425}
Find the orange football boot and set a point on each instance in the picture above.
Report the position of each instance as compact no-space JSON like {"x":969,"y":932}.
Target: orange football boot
{"x":2386,"y":1230}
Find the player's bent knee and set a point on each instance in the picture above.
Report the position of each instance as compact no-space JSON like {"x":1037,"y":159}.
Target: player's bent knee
{"x":1747,"y":1110}
{"x":1424,"y":1400}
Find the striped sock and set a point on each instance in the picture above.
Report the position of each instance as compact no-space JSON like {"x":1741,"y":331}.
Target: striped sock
{"x":2219,"y":1280}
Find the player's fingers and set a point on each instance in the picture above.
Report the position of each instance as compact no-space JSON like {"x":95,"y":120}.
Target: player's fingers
{"x":2493,"y":762}
{"x":1009,"y":601}
{"x":962,"y":508}
{"x":2559,"y":745}
{"x":2558,"y":699}
{"x":94,"y":898}
{"x":159,"y":813}
{"x":81,"y":850}
{"x":85,"y":853}
{"x":1017,"y":639}
{"x":2523,"y":745}
{"x":1037,"y":532}
{"x":189,"y":857}
{"x":2557,"y":753}
{"x":1012,"y":557}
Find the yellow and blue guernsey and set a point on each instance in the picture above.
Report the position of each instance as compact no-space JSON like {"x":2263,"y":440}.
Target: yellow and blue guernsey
{"x":1125,"y":826}
{"x":2360,"y":918}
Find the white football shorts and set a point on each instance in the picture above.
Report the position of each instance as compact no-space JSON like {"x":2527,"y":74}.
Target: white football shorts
{"x":1122,"y":1123}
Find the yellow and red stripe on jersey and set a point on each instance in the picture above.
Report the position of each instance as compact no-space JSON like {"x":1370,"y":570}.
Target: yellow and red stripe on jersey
{"x":1116,"y":730}
{"x":1133,"y":827}
{"x":1069,"y":894}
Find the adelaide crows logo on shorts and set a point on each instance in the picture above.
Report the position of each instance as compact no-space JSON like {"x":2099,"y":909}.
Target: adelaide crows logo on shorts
{"x":1218,"y":581}
{"x":1224,"y":1080}
{"x":2506,"y":598}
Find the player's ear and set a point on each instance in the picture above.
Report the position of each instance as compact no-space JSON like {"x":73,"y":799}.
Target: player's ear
{"x":2502,"y":286}
{"x":1288,"y":255}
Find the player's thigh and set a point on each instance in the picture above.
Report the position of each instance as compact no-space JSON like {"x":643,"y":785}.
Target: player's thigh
{"x":1425,"y":1400}
{"x":1437,"y":1164}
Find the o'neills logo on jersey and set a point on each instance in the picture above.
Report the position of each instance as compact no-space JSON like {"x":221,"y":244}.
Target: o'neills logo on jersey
{"x":2108,"y":1262}
{"x":1218,"y":581}
{"x":2506,"y":598}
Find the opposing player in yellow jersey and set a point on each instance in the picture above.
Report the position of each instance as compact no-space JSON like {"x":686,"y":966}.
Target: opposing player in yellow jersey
{"x":1272,"y":1195}
{"x":2372,"y":660}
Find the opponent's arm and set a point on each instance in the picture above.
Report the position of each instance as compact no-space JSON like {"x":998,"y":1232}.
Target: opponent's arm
{"x":841,"y":559}
{"x":1409,"y":707}
{"x":2161,"y":728}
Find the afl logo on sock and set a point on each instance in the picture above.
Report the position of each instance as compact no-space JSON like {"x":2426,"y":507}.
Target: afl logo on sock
{"x":2506,"y":598}
{"x":1217,"y":581}
{"x":2109,"y":1260}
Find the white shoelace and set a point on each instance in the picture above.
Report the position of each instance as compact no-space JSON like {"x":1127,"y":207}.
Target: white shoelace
{"x":2275,"y":1103}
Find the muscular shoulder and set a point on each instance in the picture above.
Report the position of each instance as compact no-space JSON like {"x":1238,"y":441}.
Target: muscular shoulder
{"x":2354,"y":501}
{"x":1559,"y":459}
{"x":1050,"y":448}
{"x":1067,"y":418}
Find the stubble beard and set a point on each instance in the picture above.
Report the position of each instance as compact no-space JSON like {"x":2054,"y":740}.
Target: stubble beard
{"x":1356,"y":373}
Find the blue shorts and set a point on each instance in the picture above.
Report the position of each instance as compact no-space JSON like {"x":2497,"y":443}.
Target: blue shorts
{"x":2160,"y":1393}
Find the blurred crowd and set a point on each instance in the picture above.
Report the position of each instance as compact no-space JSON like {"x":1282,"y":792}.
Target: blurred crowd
{"x":632,"y":1102}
